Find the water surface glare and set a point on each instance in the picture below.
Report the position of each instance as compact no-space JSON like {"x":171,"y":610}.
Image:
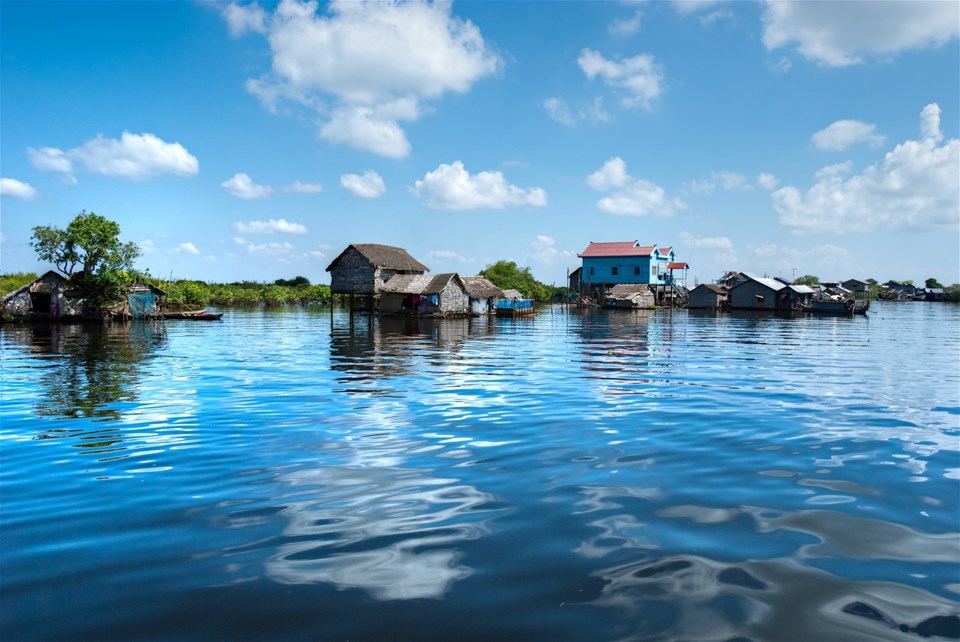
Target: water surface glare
{"x":297,"y":474}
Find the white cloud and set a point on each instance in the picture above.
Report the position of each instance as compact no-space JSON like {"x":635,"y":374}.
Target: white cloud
{"x":451,"y":187}
{"x":187,"y":248}
{"x":270,"y":249}
{"x":915,"y":187}
{"x":134,"y":156}
{"x":355,"y":63}
{"x":838,"y":34}
{"x":544,"y":250}
{"x":687,"y":7}
{"x":612,"y":175}
{"x":767,"y":181}
{"x":834,"y":170}
{"x":640,"y":77}
{"x":245,"y":18}
{"x":558,"y":111}
{"x":147,"y":247}
{"x":304,"y":188}
{"x":50,"y":159}
{"x":728,"y":181}
{"x":706,"y":242}
{"x":930,"y":122}
{"x":270,"y":227}
{"x":626,"y":26}
{"x":633,"y":196}
{"x":821,"y":260}
{"x":368,"y":185}
{"x":18,"y":189}
{"x":242,"y":186}
{"x":846,"y":133}
{"x":448,"y":257}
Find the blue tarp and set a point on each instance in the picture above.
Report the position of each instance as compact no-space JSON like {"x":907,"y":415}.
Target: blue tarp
{"x":142,"y":304}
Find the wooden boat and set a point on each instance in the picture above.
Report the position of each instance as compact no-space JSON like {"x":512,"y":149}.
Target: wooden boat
{"x":196,"y":315}
{"x":839,"y":307}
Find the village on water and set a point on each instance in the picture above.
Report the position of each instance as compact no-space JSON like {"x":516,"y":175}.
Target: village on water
{"x":619,"y":275}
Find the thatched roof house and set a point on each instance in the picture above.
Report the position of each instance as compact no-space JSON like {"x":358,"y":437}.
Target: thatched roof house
{"x":437,"y":295}
{"x":483,"y":294}
{"x":48,"y":296}
{"x":363,"y":268}
{"x":629,"y":296}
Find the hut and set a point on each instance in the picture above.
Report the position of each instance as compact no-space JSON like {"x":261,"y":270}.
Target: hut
{"x":363,"y":268}
{"x":514,"y":304}
{"x":708,"y":296}
{"x":437,"y":295}
{"x":48,"y":297}
{"x":762,"y":293}
{"x":629,"y":297}
{"x":483,"y":294}
{"x":141,"y":302}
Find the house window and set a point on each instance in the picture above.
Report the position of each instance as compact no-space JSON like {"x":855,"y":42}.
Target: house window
{"x":613,"y":270}
{"x":759,"y":298}
{"x":636,"y":270}
{"x":591,"y":271}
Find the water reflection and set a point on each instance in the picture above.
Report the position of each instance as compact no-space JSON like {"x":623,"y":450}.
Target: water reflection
{"x":87,"y":371}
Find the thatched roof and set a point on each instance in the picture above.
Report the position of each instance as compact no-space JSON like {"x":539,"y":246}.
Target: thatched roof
{"x":384,"y":257}
{"x":47,"y":276}
{"x":418,"y":283}
{"x":627,"y":290}
{"x":479,"y":287}
{"x":513,"y":294}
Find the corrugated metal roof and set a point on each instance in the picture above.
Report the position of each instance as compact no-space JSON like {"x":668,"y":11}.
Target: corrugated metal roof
{"x":677,"y":265}
{"x":719,"y":289}
{"x":384,"y":256}
{"x":418,"y":283}
{"x":617,"y":248}
{"x":773,"y":284}
{"x":479,"y":287}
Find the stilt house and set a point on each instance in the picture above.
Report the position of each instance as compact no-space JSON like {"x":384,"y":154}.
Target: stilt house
{"x":363,"y":268}
{"x":49,"y":296}
{"x":437,"y":295}
{"x":483,"y":294}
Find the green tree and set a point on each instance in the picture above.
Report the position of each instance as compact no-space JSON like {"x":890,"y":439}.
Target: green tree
{"x":91,"y":254}
{"x":932,"y":283}
{"x":807,"y":279}
{"x":507,"y":276}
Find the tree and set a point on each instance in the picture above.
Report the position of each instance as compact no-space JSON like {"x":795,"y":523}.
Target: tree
{"x":807,"y":279}
{"x":507,"y":276}
{"x":932,"y":283}
{"x":91,"y":254}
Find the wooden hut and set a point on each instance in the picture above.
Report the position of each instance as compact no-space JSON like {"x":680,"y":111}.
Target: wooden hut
{"x":363,"y":268}
{"x":483,"y":294}
{"x":762,"y":293}
{"x":48,"y":297}
{"x":708,"y":296}
{"x":629,"y":297}
{"x":437,"y":295}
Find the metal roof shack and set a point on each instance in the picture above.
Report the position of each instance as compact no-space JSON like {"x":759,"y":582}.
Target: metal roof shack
{"x":436,"y":295}
{"x":763,"y":293}
{"x":708,"y":296}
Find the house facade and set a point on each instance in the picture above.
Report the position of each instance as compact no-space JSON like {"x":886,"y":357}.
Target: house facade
{"x":482,"y":293}
{"x":708,"y":296}
{"x":624,"y":262}
{"x":420,"y":294}
{"x":762,"y":293}
{"x":363,"y":268}
{"x":47,"y":297}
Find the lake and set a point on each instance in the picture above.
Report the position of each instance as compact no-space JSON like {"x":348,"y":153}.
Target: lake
{"x":297,"y":474}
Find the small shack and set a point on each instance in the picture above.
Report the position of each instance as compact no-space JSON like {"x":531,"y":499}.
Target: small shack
{"x":141,"y":302}
{"x":48,"y":297}
{"x":363,"y":268}
{"x":762,"y":293}
{"x":483,"y":294}
{"x":513,"y":304}
{"x":437,"y":295}
{"x":629,"y":296}
{"x":708,"y":296}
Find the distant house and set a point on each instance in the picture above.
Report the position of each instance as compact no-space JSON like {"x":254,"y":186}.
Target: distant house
{"x":48,"y":297}
{"x":574,"y":280}
{"x":627,"y":296}
{"x":933,"y":294}
{"x":898,"y":291}
{"x":482,"y":293}
{"x":437,"y":295}
{"x":762,"y":293}
{"x":708,"y":296}
{"x":731,"y":279}
{"x":363,"y":268}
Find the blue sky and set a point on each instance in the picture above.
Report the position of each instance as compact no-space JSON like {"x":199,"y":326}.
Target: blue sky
{"x":254,"y":141}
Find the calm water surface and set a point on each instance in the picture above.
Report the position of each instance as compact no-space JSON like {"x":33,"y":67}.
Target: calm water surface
{"x":297,"y":475}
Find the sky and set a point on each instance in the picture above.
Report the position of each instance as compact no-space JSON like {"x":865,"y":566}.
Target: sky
{"x":256,"y":141}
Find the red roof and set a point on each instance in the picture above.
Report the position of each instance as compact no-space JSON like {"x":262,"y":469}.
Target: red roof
{"x":617,"y":248}
{"x":680,"y":265}
{"x":663,"y":251}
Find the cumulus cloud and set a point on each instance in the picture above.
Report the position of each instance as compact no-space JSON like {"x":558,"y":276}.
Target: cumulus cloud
{"x":846,"y":133}
{"x":915,"y":187}
{"x":451,"y":187}
{"x":706,"y":242}
{"x":18,"y":189}
{"x":821,"y":259}
{"x":631,"y":196}
{"x":269,"y":249}
{"x":270,"y":227}
{"x":767,"y":181}
{"x":304,"y":188}
{"x":640,"y":78}
{"x":133,"y":156}
{"x":838,"y":34}
{"x":243,"y":19}
{"x":353,"y":64}
{"x":242,"y":186}
{"x":544,"y":250}
{"x":559,"y":111}
{"x":626,"y":26}
{"x":367,"y":185}
{"x":187,"y":248}
{"x":834,"y":170}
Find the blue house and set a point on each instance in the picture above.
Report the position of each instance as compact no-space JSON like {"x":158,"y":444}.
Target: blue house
{"x":609,"y":264}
